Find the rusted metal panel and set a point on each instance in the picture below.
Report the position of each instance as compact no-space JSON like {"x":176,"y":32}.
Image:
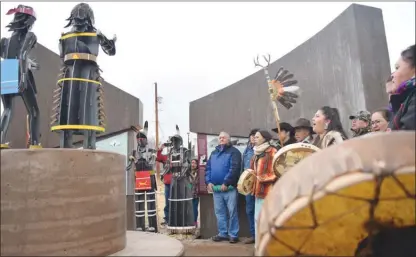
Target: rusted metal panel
{"x":335,"y":67}
{"x":375,"y":66}
{"x":119,"y":116}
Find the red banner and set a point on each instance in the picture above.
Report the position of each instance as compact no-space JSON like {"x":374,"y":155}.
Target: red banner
{"x":143,"y":181}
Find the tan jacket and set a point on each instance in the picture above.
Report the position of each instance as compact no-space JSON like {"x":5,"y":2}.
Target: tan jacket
{"x":330,"y":138}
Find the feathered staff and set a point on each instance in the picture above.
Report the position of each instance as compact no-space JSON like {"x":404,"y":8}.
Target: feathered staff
{"x":281,"y":89}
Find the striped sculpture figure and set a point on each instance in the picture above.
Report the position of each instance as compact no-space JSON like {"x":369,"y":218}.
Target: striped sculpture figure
{"x":145,"y":183}
{"x":78,"y":99}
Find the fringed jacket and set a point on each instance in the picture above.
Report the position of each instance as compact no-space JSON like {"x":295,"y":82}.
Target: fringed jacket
{"x":330,"y":138}
{"x":263,"y":167}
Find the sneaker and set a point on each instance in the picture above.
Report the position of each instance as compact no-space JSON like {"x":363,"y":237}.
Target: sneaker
{"x":249,"y":240}
{"x":218,"y":238}
{"x":233,"y":240}
{"x":164,"y":223}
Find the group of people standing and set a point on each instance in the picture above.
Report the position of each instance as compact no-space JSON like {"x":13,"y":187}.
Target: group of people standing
{"x":226,"y":163}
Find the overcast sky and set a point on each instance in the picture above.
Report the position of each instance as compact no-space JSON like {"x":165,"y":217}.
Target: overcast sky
{"x":194,"y":49}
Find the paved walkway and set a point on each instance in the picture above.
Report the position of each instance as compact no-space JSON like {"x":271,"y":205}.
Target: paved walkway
{"x":150,"y":244}
{"x":209,"y":248}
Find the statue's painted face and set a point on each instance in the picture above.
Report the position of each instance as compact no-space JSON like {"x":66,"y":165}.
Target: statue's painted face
{"x":142,"y":141}
{"x":176,"y":142}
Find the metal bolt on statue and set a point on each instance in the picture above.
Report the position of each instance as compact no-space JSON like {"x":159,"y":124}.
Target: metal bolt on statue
{"x":281,"y":88}
{"x":16,"y":72}
{"x":79,"y":98}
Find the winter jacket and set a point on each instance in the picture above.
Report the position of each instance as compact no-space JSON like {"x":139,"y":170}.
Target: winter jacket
{"x":194,"y":178}
{"x":248,"y":153}
{"x":223,"y":166}
{"x":404,"y":110}
{"x":330,"y":138}
{"x":263,"y":166}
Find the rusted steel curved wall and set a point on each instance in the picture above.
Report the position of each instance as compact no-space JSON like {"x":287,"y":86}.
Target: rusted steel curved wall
{"x":345,"y":65}
{"x":62,"y":202}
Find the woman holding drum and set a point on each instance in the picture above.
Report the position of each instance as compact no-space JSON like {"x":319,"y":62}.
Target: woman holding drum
{"x":262,"y":165}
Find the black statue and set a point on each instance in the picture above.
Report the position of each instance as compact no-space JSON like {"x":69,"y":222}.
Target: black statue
{"x":79,"y":97}
{"x":145,"y":186}
{"x":18,"y":46}
{"x":181,"y":216}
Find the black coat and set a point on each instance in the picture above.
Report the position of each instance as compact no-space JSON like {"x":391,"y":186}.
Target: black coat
{"x":404,"y":110}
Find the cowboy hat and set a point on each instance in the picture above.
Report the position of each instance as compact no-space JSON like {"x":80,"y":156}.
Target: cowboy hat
{"x":284,"y":126}
{"x":303,"y":123}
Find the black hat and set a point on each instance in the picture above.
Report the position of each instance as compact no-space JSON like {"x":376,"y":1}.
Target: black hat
{"x":253,"y":132}
{"x":141,"y":135}
{"x":303,"y":123}
{"x":284,"y":126}
{"x":266,"y":135}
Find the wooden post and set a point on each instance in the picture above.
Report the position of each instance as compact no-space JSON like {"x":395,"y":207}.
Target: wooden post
{"x":157,"y":129}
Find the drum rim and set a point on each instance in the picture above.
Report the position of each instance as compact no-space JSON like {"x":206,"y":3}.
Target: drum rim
{"x":290,"y":147}
{"x":336,"y":184}
{"x":368,"y":154}
{"x":247,"y":173}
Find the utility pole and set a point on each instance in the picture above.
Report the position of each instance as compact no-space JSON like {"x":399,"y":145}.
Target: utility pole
{"x":189,"y":142}
{"x":157,"y":129}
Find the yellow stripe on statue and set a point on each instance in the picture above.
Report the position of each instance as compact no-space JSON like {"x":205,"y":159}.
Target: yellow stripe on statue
{"x":84,"y":34}
{"x":79,"y":79}
{"x":83,"y":127}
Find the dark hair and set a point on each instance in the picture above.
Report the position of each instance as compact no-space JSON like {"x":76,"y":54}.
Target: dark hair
{"x":332,"y":114}
{"x":253,"y":132}
{"x":196,"y":161}
{"x":386,"y":113}
{"x":408,"y":56}
{"x":265,"y":134}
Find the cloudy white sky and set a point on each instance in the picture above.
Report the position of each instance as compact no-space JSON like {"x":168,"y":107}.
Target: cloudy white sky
{"x":194,"y":49}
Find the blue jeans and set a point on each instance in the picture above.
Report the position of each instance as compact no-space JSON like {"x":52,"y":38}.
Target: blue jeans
{"x":166,"y":209}
{"x":250,"y":199}
{"x":223,"y":202}
{"x":195,"y":203}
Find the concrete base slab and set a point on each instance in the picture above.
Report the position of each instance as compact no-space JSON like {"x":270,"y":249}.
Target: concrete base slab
{"x":150,"y":244}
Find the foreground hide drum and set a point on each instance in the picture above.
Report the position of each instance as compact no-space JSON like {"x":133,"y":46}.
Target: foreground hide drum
{"x":290,"y":155}
{"x":358,"y":196}
{"x":246,"y":182}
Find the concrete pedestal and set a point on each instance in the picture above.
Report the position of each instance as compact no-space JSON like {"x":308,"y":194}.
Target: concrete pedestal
{"x":62,"y":202}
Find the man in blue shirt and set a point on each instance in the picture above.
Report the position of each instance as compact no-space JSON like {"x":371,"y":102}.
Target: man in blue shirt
{"x":248,"y":153}
{"x":222,"y":171}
